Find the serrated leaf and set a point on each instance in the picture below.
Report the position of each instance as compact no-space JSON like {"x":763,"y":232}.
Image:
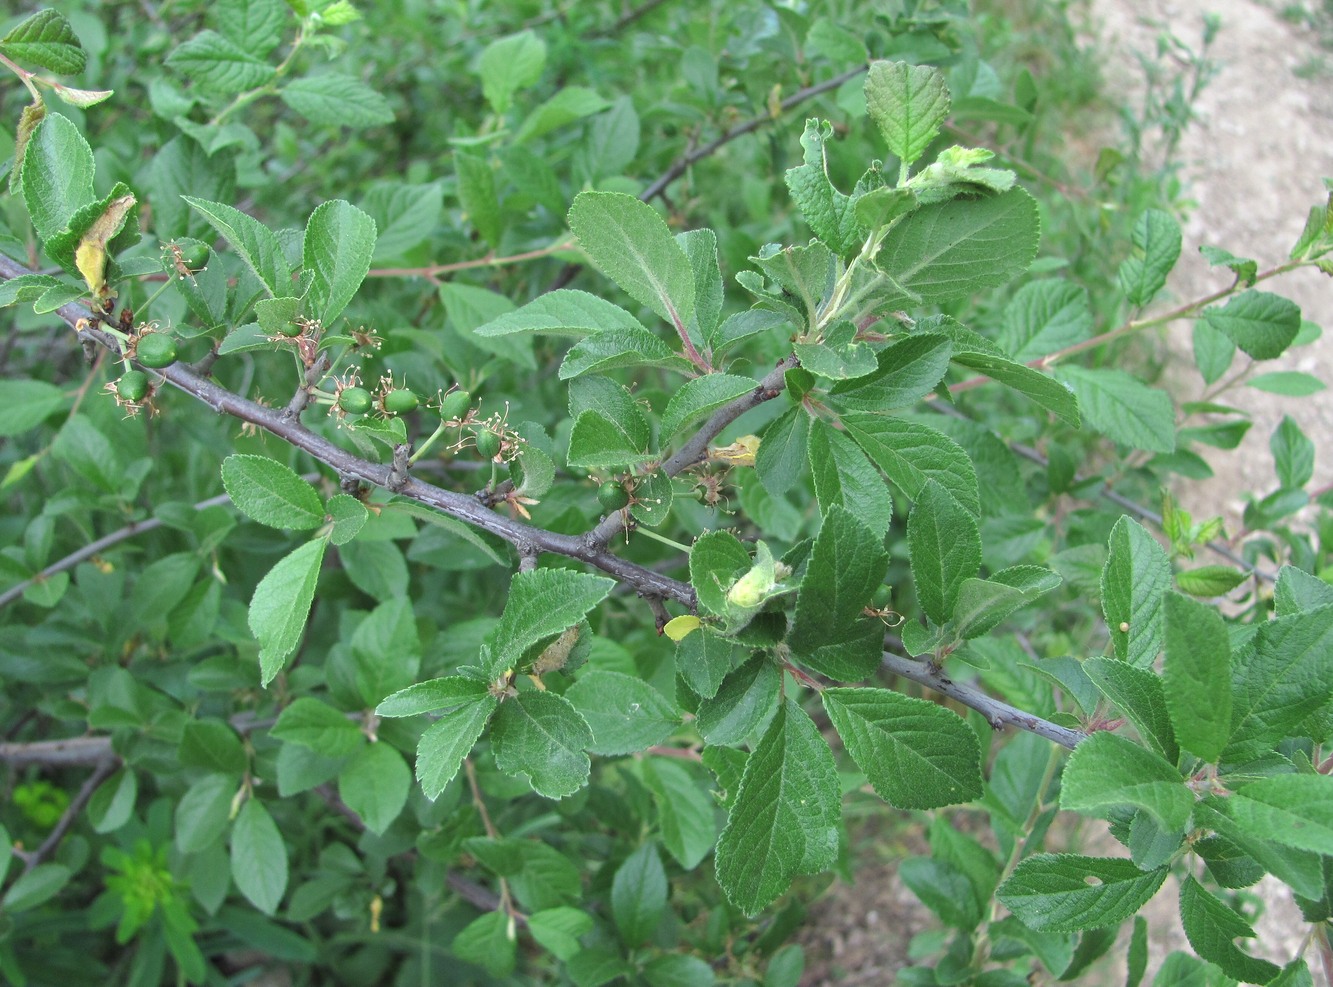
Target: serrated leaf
{"x":1196,"y":676}
{"x":829,"y":633}
{"x":508,"y":65}
{"x":258,"y":857}
{"x":46,"y":40}
{"x":743,"y":705}
{"x":1299,"y":869}
{"x":696,"y":399}
{"x":905,"y":372}
{"x":1107,"y":771}
{"x":917,"y":755}
{"x":628,"y":242}
{"x":1069,"y":893}
{"x":1298,"y":591}
{"x":448,"y":740}
{"x":831,"y":215}
{"x":1295,"y":810}
{"x":334,"y":100}
{"x":348,"y":515}
{"x":912,"y":454}
{"x":1243,"y":267}
{"x":447,"y":693}
{"x":57,"y":175}
{"x":339,"y":242}
{"x":784,"y":819}
{"x":212,"y":745}
{"x":216,"y":64}
{"x":564,"y":312}
{"x":782,"y":458}
{"x":558,"y":930}
{"x":618,"y":348}
{"x":1209,"y":580}
{"x":203,"y":811}
{"x":625,"y":713}
{"x":639,"y":895}
{"x":1044,"y":316}
{"x":541,"y":737}
{"x":25,"y":404}
{"x":844,"y":477}
{"x":983,"y":603}
{"x":570,"y":103}
{"x":1045,"y":391}
{"x":1213,"y":351}
{"x":1139,"y":695}
{"x":1122,"y":407}
{"x":281,"y":605}
{"x":542,"y":604}
{"x":374,"y":785}
{"x":317,"y":726}
{"x":476,"y":193}
{"x":266,"y":491}
{"x":908,"y":103}
{"x":1156,"y":242}
{"x":1135,"y":578}
{"x":255,"y":25}
{"x":1211,"y":927}
{"x":1262,"y":324}
{"x":489,"y":942}
{"x":944,"y":545}
{"x":684,"y":810}
{"x":959,"y":248}
{"x":252,"y":241}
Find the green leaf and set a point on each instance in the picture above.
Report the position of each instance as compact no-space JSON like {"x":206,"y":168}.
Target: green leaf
{"x":625,"y":713}
{"x":942,"y":888}
{"x":944,"y":546}
{"x":959,"y":248}
{"x":1297,"y":591}
{"x":25,"y":404}
{"x":1156,"y":242}
{"x":542,"y":604}
{"x":1196,"y":676}
{"x":912,"y":454}
{"x":1069,"y":893}
{"x":716,"y":559}
{"x":782,"y":459}
{"x":564,"y":312}
{"x":678,"y":970}
{"x":46,"y":40}
{"x":1211,"y":926}
{"x":916,"y":754}
{"x":1213,"y":351}
{"x":1243,"y":267}
{"x":469,"y":307}
{"x":628,"y":242}
{"x":35,"y":887}
{"x":1294,"y":810}
{"x":1209,"y":580}
{"x":386,"y":650}
{"x":219,"y":66}
{"x":618,"y":348}
{"x":446,"y":694}
{"x":212,"y":745}
{"x":281,"y":604}
{"x":1139,"y":695}
{"x":838,"y":356}
{"x":541,"y":737}
{"x":319,"y":727}
{"x":610,"y":429}
{"x":639,"y":896}
{"x":266,"y":491}
{"x":1135,"y":578}
{"x":569,"y":103}
{"x":339,"y":242}
{"x":743,"y":705}
{"x":684,"y":810}
{"x":1033,"y":384}
{"x":696,"y":399}
{"x":405,"y":215}
{"x":476,"y":193}
{"x":558,"y":930}
{"x":1300,"y":869}
{"x":1044,"y":316}
{"x":203,"y":812}
{"x":374,"y":785}
{"x":334,"y":100}
{"x":448,"y":740}
{"x":1287,"y":677}
{"x":784,"y":819}
{"x":490,"y":942}
{"x":1288,"y":383}
{"x":1123,"y":408}
{"x":258,"y":857}
{"x":908,"y":103}
{"x":703,"y":660}
{"x":905,"y":372}
{"x":983,"y":603}
{"x":57,"y":175}
{"x":831,"y":214}
{"x":844,"y":477}
{"x":112,"y":805}
{"x":829,"y":633}
{"x":349,"y":516}
{"x":508,"y":65}
{"x":1262,"y":324}
{"x":255,"y":25}
{"x":252,"y":241}
{"x":1107,"y":771}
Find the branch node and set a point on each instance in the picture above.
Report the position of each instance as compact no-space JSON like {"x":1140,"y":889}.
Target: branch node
{"x":398,"y":477}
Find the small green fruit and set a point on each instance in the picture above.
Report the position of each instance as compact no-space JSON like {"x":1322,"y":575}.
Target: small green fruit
{"x":454,"y":405}
{"x":155,"y":350}
{"x":883,"y":597}
{"x":132,"y":386}
{"x":291,"y":329}
{"x":355,"y":400}
{"x":194,"y":256}
{"x":488,"y":443}
{"x":613,"y":496}
{"x":400,"y":401}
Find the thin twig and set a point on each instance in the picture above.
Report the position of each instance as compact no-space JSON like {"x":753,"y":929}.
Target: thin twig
{"x":104,"y":770}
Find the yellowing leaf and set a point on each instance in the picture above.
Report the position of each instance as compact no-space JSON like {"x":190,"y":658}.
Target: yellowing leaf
{"x":739,"y":453}
{"x":678,"y":628}
{"x":90,"y":255}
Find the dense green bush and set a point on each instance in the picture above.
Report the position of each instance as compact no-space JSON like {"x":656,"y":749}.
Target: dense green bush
{"x":550,"y":460}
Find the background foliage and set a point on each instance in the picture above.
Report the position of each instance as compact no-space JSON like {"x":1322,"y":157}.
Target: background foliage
{"x":362,"y":688}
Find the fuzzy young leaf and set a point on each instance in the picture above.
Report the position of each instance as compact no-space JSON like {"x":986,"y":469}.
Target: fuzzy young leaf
{"x":1156,"y":241}
{"x":1136,"y":577}
{"x":784,"y":819}
{"x":830,"y":214}
{"x":46,"y":40}
{"x":1211,"y":926}
{"x":339,"y":242}
{"x":1106,"y":771}
{"x":626,"y":714}
{"x":1196,"y":676}
{"x":944,"y":544}
{"x":258,"y":857}
{"x":281,"y":604}
{"x":628,"y":242}
{"x":335,"y":100}
{"x":252,"y":241}
{"x":268,"y":492}
{"x":908,"y":103}
{"x":541,"y":737}
{"x":1069,"y":893}
{"x":905,"y":372}
{"x":448,"y":740}
{"x":839,"y":356}
{"x":1210,"y":580}
{"x":829,"y":633}
{"x":1262,"y":324}
{"x":916,"y":754}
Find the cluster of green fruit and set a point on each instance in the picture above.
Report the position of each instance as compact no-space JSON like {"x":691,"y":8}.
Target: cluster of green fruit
{"x":154,"y":350}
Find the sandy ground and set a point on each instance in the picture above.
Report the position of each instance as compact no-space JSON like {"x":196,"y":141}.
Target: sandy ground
{"x":1253,"y":164}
